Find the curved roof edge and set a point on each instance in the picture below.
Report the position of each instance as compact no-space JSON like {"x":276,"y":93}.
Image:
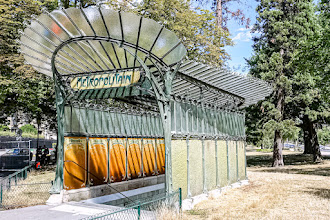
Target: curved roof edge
{"x":249,"y":88}
{"x":91,"y":40}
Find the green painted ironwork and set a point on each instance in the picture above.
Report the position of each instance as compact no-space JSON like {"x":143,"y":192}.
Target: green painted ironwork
{"x":90,"y":42}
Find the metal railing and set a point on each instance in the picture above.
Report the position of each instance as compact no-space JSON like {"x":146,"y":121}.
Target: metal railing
{"x":17,"y":176}
{"x":163,"y":207}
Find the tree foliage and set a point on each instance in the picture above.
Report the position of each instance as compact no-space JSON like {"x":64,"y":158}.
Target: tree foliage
{"x":22,"y":89}
{"x":324,"y":135}
{"x":197,"y":28}
{"x":224,"y":12}
{"x":282,"y":25}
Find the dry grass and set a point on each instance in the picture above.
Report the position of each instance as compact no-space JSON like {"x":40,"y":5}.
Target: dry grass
{"x":300,"y":190}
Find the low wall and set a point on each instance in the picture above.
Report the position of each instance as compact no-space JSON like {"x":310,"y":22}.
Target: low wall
{"x":199,"y":166}
{"x":102,"y":190}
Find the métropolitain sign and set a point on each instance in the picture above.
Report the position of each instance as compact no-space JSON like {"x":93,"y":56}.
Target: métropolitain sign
{"x":104,"y":81}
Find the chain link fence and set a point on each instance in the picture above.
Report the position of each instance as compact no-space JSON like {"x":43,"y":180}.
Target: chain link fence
{"x":162,"y":207}
{"x":22,"y":195}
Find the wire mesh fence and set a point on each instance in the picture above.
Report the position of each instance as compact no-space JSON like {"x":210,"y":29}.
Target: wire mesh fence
{"x":162,"y":207}
{"x":15,"y":195}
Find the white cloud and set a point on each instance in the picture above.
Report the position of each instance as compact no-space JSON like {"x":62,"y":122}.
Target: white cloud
{"x":243,"y":36}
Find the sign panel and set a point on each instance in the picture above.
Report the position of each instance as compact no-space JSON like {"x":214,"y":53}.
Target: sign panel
{"x":104,"y":81}
{"x":98,"y":161}
{"x":74,"y":162}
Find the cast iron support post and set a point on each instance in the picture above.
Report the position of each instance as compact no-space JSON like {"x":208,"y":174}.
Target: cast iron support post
{"x":60,"y":101}
{"x":167,"y":128}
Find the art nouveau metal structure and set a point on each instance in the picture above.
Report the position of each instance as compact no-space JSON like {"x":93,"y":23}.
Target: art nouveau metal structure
{"x":130,"y":106}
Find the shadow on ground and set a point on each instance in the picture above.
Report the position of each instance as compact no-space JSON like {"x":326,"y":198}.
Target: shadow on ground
{"x":291,"y":161}
{"x":320,"y":192}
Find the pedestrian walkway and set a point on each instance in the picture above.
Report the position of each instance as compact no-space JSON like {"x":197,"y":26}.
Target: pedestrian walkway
{"x":67,"y":211}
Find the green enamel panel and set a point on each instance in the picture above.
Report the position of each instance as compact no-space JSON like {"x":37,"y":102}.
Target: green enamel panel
{"x":179,"y":166}
{"x":222,"y":163}
{"x":232,"y":161}
{"x":75,"y":126}
{"x":105,"y":123}
{"x":195,"y":167}
{"x":210,"y":164}
{"x":98,"y":122}
{"x":67,"y":119}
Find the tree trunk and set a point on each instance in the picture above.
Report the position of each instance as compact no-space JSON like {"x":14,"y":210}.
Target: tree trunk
{"x":219,"y":13}
{"x":307,"y":128}
{"x":317,"y":157}
{"x":278,"y":142}
{"x":277,"y":153}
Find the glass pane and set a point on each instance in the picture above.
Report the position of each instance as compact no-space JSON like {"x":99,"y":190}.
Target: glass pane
{"x":113,"y":24}
{"x":131,"y":24}
{"x":166,"y":41}
{"x":149,"y":32}
{"x":95,"y":19}
{"x":78,"y":18}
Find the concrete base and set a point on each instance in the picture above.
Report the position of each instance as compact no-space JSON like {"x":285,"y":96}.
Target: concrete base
{"x":55,"y":199}
{"x":188,"y":204}
{"x":120,"y":199}
{"x":102,"y":190}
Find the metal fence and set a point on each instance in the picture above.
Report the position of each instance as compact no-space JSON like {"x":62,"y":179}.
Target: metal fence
{"x":22,"y":195}
{"x":15,"y":193}
{"x":163,"y":207}
{"x":15,"y":177}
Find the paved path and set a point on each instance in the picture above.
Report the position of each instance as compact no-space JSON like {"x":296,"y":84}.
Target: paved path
{"x":67,"y":211}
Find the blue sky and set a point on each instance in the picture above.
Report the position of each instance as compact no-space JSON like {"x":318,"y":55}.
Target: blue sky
{"x":242,"y":38}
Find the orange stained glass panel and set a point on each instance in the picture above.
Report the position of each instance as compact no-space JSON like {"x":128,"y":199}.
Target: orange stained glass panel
{"x":98,"y":160}
{"x":161,"y":155}
{"x":134,"y":157}
{"x":74,"y":162}
{"x":117,"y":159}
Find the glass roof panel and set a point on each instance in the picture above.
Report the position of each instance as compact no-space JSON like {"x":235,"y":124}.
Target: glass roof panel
{"x":80,"y":21}
{"x":131,"y":25}
{"x":149,"y":32}
{"x":65,"y":26}
{"x":96,"y":21}
{"x":112,"y":21}
{"x":166,"y":41}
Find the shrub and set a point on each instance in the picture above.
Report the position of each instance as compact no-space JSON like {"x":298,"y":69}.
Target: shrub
{"x":28,"y":128}
{"x":4,"y":128}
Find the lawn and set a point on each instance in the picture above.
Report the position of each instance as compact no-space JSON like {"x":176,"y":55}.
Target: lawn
{"x":300,"y":190}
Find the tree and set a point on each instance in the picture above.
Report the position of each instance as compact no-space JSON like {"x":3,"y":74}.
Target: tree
{"x":78,"y":3}
{"x":22,"y":89}
{"x":224,"y":12}
{"x":310,"y":100}
{"x":282,"y":26}
{"x":197,"y":28}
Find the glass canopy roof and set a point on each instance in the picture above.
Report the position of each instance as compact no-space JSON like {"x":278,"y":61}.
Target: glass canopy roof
{"x":83,"y":42}
{"x":90,"y":40}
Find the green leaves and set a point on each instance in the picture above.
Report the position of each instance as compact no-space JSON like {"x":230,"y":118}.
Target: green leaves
{"x":22,"y":89}
{"x":198,"y":29}
{"x":290,"y":54}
